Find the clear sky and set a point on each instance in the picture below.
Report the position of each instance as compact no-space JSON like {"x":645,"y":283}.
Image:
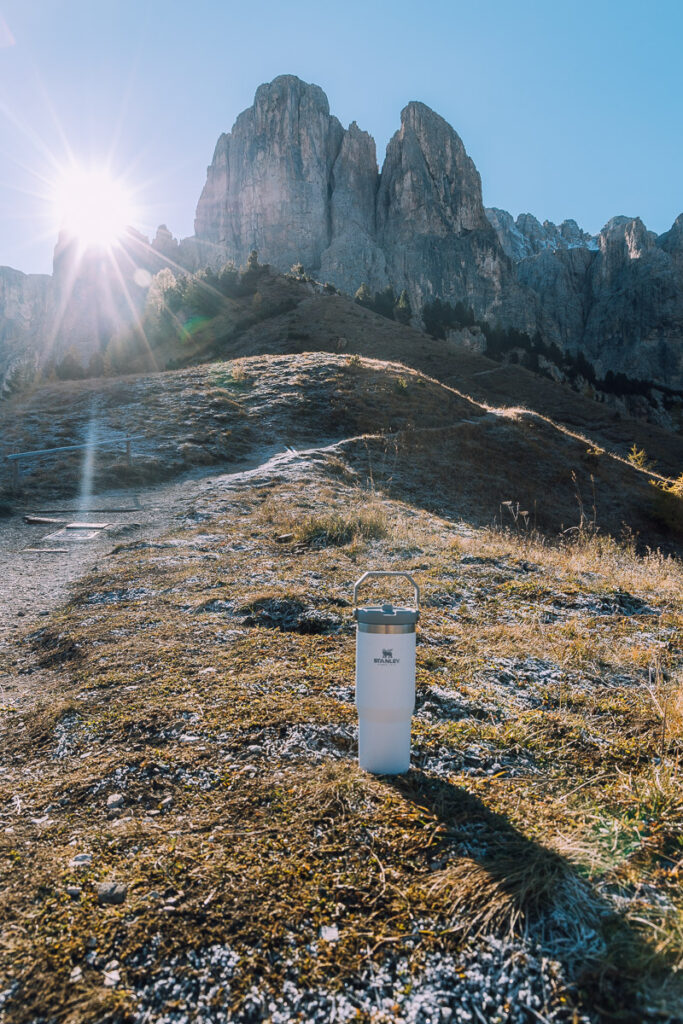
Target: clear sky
{"x":569,"y":109}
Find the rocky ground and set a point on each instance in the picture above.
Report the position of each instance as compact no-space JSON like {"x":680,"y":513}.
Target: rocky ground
{"x":185,"y":833}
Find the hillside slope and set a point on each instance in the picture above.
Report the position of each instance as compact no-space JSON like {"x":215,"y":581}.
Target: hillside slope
{"x":409,"y":431}
{"x":259,"y":311}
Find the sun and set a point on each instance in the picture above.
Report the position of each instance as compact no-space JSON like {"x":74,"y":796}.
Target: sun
{"x":93,"y":206}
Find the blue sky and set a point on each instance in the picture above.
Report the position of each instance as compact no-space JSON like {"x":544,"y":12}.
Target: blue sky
{"x":568,"y":109}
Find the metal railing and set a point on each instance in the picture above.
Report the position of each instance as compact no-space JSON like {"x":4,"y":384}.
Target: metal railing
{"x":15,"y":458}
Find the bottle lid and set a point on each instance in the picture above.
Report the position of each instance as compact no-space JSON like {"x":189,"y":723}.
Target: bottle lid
{"x":386,"y":615}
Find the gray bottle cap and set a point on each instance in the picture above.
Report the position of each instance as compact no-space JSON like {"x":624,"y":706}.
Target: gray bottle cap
{"x":387,"y":615}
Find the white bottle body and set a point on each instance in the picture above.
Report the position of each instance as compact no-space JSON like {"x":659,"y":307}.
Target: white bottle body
{"x":385,"y":698}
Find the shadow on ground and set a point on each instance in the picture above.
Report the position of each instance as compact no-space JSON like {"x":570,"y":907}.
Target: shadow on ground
{"x":512,"y":886}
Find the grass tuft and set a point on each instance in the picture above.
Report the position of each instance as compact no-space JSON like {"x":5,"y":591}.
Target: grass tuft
{"x":337,"y":529}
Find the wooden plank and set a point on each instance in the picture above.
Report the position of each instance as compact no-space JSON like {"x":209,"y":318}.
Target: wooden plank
{"x":46,"y":551}
{"x":94,"y":511}
{"x":74,"y":537}
{"x":86,"y":526}
{"x":43,"y":519}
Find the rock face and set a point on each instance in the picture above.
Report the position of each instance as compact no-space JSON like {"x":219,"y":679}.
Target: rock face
{"x":95,"y":295}
{"x":89,"y":298}
{"x":353,"y":254}
{"x":24,"y":304}
{"x":622,"y":305}
{"x":268,"y":185}
{"x":526,"y":236}
{"x":431,"y":222}
{"x":291,"y":183}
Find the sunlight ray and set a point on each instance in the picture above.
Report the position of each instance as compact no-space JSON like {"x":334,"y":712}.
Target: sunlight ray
{"x":137,"y":323}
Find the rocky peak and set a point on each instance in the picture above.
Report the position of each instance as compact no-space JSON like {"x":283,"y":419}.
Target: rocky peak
{"x":672,"y":240}
{"x":353,"y":183}
{"x":165,"y":244}
{"x":625,"y":238}
{"x":268,"y":185}
{"x":286,"y":94}
{"x":527,"y":237}
{"x":428,"y":184}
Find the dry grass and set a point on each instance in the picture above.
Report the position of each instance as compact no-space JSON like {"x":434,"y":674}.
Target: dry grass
{"x":207,"y":678}
{"x":545,"y":801}
{"x":340,"y":528}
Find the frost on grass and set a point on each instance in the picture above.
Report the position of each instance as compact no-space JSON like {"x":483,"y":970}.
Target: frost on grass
{"x":119,"y":596}
{"x":66,"y":736}
{"x":496,"y":981}
{"x":306,"y":742}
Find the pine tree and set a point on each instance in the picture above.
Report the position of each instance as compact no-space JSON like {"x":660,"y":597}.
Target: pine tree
{"x":402,"y":310}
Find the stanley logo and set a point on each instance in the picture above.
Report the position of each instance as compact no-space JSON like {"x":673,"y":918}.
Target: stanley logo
{"x":387,"y":658}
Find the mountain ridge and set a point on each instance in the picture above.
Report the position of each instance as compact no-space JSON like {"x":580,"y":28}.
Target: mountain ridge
{"x":292,"y":183}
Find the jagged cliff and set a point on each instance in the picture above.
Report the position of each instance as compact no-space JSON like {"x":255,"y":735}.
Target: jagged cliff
{"x":291,"y":182}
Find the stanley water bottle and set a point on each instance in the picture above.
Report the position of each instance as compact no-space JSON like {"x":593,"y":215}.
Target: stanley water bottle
{"x":385,"y":680}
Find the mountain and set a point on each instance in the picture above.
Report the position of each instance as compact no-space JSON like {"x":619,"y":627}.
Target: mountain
{"x":290,"y":182}
{"x":604,"y":313}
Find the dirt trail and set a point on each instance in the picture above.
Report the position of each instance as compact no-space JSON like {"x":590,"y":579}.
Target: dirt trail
{"x":34,"y":583}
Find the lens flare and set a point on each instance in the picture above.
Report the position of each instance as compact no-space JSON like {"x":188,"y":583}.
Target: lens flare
{"x":93,"y":207}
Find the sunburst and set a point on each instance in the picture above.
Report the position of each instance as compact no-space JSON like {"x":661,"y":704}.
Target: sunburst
{"x":93,"y":206}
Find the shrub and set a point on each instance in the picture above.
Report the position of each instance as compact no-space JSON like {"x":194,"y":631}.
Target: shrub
{"x":364,"y":296}
{"x":96,"y":365}
{"x":439,"y":316}
{"x":382,"y":302}
{"x":70,"y":367}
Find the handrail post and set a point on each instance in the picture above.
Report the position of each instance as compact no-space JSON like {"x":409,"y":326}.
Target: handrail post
{"x":15,"y":476}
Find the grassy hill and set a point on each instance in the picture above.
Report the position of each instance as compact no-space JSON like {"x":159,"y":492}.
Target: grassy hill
{"x":184,"y":832}
{"x":259,"y":311}
{"x":414,"y":435}
{"x":196,"y":748}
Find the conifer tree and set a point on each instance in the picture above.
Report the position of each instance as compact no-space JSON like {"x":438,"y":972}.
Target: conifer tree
{"x":402,"y":310}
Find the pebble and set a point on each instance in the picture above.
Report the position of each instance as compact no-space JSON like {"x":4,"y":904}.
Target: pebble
{"x":81,"y":860}
{"x":76,"y":974}
{"x":111,"y":892}
{"x":115,"y":800}
{"x":74,"y":891}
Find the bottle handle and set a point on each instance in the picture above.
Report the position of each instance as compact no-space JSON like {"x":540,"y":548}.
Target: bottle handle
{"x":367,"y":575}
